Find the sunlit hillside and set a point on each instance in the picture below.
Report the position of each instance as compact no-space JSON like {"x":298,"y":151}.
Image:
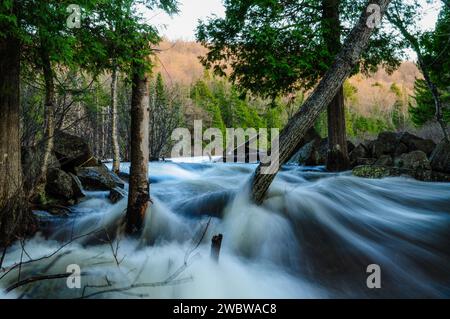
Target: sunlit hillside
{"x":178,"y":62}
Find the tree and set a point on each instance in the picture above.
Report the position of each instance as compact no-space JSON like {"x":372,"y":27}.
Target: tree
{"x":15,"y":215}
{"x":355,"y":43}
{"x":278,"y":47}
{"x":402,"y":17}
{"x":139,"y":190}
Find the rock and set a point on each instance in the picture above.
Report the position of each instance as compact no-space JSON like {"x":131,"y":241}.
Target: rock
{"x":400,"y":149}
{"x":98,"y":178}
{"x":426,"y":146}
{"x":360,"y":151}
{"x":308,"y":154}
{"x":116,"y":194}
{"x":440,"y":158}
{"x":385,"y":160}
{"x":373,"y":171}
{"x":72,"y":151}
{"x":311,"y":135}
{"x":413,"y":160}
{"x":385,"y":144}
{"x":350,"y":146}
{"x":415,"y":143}
{"x":365,"y":161}
{"x":63,"y":187}
{"x":31,"y":164}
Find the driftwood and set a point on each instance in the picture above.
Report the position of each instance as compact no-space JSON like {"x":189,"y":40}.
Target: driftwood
{"x":303,"y":120}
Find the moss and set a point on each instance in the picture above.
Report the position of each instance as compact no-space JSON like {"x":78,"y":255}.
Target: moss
{"x":369,"y":171}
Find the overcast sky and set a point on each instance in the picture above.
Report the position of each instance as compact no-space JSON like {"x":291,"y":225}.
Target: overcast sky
{"x":183,"y":25}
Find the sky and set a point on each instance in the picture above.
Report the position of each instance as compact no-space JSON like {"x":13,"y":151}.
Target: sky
{"x":183,"y":25}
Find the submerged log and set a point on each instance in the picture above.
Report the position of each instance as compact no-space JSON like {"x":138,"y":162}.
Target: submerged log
{"x":216,"y":243}
{"x":322,"y":96}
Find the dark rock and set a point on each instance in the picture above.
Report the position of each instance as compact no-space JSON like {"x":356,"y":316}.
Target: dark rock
{"x":63,"y":187}
{"x":116,"y":194}
{"x":311,"y":135}
{"x":360,"y":151}
{"x":385,"y":144}
{"x":32,"y":162}
{"x":400,"y":149}
{"x":308,"y":154}
{"x":365,"y":161}
{"x":440,"y":158}
{"x":98,"y":178}
{"x":413,"y":160}
{"x":350,"y":146}
{"x":385,"y":160}
{"x":415,"y":143}
{"x":72,"y":151}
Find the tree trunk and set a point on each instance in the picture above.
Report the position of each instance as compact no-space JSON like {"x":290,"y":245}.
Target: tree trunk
{"x":337,"y":157}
{"x":114,"y":134}
{"x":14,"y":214}
{"x":49,"y":115}
{"x":323,"y":94}
{"x":139,"y":190}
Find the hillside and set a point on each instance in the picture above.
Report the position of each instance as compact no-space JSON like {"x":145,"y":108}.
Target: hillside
{"x":178,"y":63}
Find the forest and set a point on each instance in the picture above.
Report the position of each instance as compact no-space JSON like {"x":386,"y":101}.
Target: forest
{"x":338,"y":170}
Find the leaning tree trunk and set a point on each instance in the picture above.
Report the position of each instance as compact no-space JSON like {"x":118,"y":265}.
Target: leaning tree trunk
{"x":14,"y":214}
{"x":139,"y":190}
{"x":323,"y":94}
{"x":49,"y":116}
{"x":337,"y":155}
{"x":114,"y":134}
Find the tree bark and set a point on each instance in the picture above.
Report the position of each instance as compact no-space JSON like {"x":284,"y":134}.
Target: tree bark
{"x":323,"y":94}
{"x":49,"y":114}
{"x":114,"y":134}
{"x":139,"y":190}
{"x":337,"y":156}
{"x":14,"y":214}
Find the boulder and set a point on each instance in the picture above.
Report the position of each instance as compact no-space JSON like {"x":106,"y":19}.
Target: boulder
{"x":385,"y":144}
{"x":365,"y":161}
{"x":63,"y":187}
{"x":308,"y":155}
{"x":400,"y":149}
{"x":116,"y":194}
{"x":72,"y":151}
{"x":373,"y":171}
{"x":413,"y":160}
{"x":359,"y":151}
{"x":31,"y":164}
{"x":415,"y":143}
{"x":440,"y":158}
{"x":385,"y":160}
{"x":98,"y":178}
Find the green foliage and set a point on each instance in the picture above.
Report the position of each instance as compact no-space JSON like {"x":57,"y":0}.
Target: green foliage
{"x":425,"y":110}
{"x":275,"y":48}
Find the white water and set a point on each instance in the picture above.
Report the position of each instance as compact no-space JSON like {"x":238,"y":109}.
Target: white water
{"x":312,"y":238}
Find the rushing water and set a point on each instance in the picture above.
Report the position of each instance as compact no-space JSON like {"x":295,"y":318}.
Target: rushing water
{"x":313,"y":237}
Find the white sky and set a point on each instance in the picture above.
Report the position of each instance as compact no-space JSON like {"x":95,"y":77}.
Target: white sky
{"x":183,"y":25}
